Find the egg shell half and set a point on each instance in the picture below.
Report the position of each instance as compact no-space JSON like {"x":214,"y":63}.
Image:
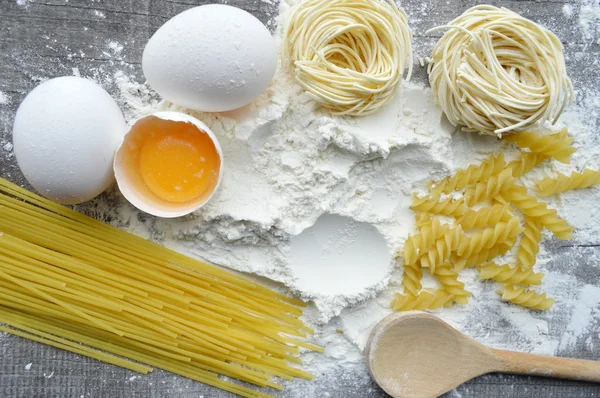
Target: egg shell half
{"x":135,"y":190}
{"x":65,"y":134}
{"x":211,"y":58}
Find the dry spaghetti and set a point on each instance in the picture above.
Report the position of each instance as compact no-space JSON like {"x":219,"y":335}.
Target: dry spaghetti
{"x":70,"y":281}
{"x":496,"y":72}
{"x":349,"y":55}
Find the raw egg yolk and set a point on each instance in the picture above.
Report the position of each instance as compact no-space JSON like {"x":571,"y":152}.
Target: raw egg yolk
{"x":180,"y":163}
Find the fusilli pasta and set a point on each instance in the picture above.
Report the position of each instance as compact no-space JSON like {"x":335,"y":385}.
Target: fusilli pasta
{"x":411,"y":279}
{"x":563,"y":183}
{"x":530,"y":243}
{"x":557,"y":146}
{"x":526,"y":298}
{"x":472,"y":174}
{"x":416,"y":245}
{"x":525,"y":163}
{"x":423,"y":301}
{"x":446,"y":207}
{"x":511,"y":275}
{"x":488,"y":189}
{"x":442,"y":248}
{"x":532,"y":207}
{"x":449,"y":280}
{"x":489,"y":237}
{"x":486,"y":216}
{"x":481,"y":257}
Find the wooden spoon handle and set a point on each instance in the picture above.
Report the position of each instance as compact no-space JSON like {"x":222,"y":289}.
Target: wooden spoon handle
{"x":538,"y":365}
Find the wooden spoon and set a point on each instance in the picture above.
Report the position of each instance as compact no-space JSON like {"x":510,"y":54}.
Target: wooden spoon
{"x":417,"y":355}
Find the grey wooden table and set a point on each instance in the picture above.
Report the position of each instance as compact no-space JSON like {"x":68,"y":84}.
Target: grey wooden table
{"x":48,"y":38}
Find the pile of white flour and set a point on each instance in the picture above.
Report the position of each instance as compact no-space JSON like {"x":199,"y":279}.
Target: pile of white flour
{"x":288,"y":163}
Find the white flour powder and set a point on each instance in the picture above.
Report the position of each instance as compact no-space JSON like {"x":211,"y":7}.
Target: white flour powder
{"x":287,"y":163}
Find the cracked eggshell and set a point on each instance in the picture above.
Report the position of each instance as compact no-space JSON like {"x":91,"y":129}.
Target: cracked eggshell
{"x":212,"y":58}
{"x":135,"y":190}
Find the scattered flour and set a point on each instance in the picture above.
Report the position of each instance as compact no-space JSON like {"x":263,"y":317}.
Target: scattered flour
{"x":115,"y":47}
{"x":4,"y":99}
{"x":589,"y":19}
{"x":28,"y":366}
{"x":290,"y":163}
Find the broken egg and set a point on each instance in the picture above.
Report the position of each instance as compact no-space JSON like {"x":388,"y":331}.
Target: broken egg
{"x":169,"y":164}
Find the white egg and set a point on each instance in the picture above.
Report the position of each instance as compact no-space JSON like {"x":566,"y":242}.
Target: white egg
{"x":65,"y":134}
{"x":211,"y":58}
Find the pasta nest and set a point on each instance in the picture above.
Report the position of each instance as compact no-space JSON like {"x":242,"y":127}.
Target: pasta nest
{"x":349,"y":55}
{"x":496,"y":72}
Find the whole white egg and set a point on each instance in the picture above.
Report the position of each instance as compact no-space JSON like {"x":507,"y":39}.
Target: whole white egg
{"x":211,"y":58}
{"x":65,"y":134}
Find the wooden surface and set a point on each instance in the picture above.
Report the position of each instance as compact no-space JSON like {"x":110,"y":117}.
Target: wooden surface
{"x":49,"y":38}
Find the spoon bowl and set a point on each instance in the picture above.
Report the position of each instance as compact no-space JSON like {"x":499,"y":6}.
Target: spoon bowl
{"x":417,"y":355}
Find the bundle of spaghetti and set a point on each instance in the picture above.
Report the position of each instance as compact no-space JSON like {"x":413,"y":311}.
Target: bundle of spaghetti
{"x":563,"y":183}
{"x":495,"y":71}
{"x":349,"y":55}
{"x":76,"y":283}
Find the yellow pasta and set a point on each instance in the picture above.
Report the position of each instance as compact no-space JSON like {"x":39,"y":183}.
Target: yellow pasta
{"x":74,"y":282}
{"x":446,"y":207}
{"x":486,"y":216}
{"x":423,"y":301}
{"x":526,"y":162}
{"x":533,"y":208}
{"x":557,"y":146}
{"x":530,"y":243}
{"x":411,"y":279}
{"x":526,"y":298}
{"x":484,"y":255}
{"x":422,"y":219}
{"x":489,"y":237}
{"x":449,"y":280}
{"x":510,"y":275}
{"x":443,"y":247}
{"x":563,"y":183}
{"x":472,"y":174}
{"x":349,"y":55}
{"x":416,"y":245}
{"x":484,"y":190}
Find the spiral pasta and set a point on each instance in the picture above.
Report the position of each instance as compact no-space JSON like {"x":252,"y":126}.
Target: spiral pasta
{"x":450,"y":283}
{"x":442,"y":248}
{"x":484,"y":255}
{"x":557,"y":146}
{"x":423,"y":301}
{"x":511,"y":275}
{"x":494,"y":72}
{"x":526,"y":298}
{"x":488,"y":189}
{"x":530,"y":243}
{"x":563,"y":183}
{"x":349,"y":55}
{"x":422,"y":219}
{"x":532,"y":207}
{"x":446,"y":207}
{"x":416,"y":245}
{"x":486,"y":216}
{"x":489,"y":237}
{"x":525,"y":163}
{"x":472,"y":174}
{"x":411,"y":279}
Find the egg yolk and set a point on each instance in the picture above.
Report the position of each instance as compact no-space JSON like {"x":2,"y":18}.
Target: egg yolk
{"x":178,"y":162}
